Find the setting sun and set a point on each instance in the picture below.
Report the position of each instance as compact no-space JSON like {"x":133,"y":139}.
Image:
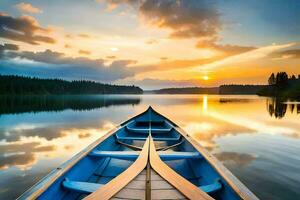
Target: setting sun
{"x":205,"y":78}
{"x":226,"y":72}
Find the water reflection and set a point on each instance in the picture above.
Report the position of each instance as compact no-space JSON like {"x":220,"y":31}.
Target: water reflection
{"x":22,"y":155}
{"x":237,"y":129}
{"x":278,"y":107}
{"x":240,"y":159}
{"x":21,"y":104}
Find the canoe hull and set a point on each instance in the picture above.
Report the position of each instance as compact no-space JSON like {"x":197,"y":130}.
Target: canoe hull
{"x":100,"y":162}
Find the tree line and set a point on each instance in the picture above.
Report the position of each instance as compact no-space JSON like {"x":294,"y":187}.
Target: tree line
{"x":20,"y":85}
{"x":240,"y":89}
{"x":282,"y":79}
{"x":282,"y":85}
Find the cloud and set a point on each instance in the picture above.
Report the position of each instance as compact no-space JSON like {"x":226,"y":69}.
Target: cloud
{"x":7,"y":47}
{"x":11,"y":47}
{"x":152,"y":41}
{"x":113,"y":4}
{"x":25,"y":29}
{"x":291,"y":53}
{"x":84,"y":52}
{"x":111,"y":57}
{"x":246,"y":57}
{"x":84,"y":135}
{"x":46,"y":56}
{"x":227,"y":49}
{"x":69,"y":36}
{"x":185,"y":19}
{"x":50,"y":64}
{"x":83,"y":35}
{"x":178,"y":64}
{"x":67,"y":46}
{"x":26,"y":7}
{"x":198,"y":19}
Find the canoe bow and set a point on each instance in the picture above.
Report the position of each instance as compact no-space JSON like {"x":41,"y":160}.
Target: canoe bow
{"x":114,"y":186}
{"x":181,"y":184}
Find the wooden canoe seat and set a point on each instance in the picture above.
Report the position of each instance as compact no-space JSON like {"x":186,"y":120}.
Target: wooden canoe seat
{"x":212,"y":188}
{"x":87,"y":188}
{"x":144,"y":138}
{"x":173,"y":155}
{"x":126,"y":155}
{"x":146,"y":130}
{"x":108,"y":190}
{"x":81,"y":187}
{"x":132,"y":155}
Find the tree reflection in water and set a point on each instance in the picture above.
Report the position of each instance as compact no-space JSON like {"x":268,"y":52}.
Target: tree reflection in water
{"x":278,"y":107}
{"x":40,"y":103}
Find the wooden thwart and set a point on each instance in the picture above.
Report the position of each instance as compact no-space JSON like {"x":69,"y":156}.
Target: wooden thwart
{"x":115,"y":185}
{"x":181,"y":184}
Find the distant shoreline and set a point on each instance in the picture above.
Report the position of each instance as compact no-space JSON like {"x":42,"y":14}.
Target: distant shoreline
{"x":223,"y":90}
{"x":19,"y":85}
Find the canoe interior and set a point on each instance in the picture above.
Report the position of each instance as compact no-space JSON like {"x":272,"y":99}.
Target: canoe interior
{"x":101,"y":167}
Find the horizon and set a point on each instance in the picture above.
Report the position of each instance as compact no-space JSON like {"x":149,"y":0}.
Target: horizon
{"x":155,"y":89}
{"x":151,"y":44}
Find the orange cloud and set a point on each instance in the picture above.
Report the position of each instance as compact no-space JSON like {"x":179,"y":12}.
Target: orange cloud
{"x":83,"y":35}
{"x":84,"y":52}
{"x":26,"y":7}
{"x":111,"y":57}
{"x":178,"y":64}
{"x":253,"y":55}
{"x":225,"y":49}
{"x":291,"y":53}
{"x":152,"y":41}
{"x":67,"y":46}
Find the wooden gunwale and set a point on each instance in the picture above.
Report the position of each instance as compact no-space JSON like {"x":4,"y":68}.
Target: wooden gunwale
{"x":115,"y":185}
{"x":41,"y":186}
{"x":238,"y":187}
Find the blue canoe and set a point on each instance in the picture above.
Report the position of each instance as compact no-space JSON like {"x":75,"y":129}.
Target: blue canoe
{"x":146,"y":157}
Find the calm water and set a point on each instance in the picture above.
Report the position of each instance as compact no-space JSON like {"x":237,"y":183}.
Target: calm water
{"x":258,"y":139}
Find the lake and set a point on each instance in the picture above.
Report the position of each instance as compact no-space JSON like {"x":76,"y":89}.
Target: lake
{"x":257,"y":138}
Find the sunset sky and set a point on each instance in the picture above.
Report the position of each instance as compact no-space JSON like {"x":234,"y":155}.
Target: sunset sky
{"x":151,"y":43}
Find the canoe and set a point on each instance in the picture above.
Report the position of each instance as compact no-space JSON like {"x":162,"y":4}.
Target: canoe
{"x":146,"y":157}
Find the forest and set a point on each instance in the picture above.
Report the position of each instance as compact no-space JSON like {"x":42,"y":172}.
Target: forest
{"x":186,"y":90}
{"x":282,"y":85}
{"x":241,"y":89}
{"x":19,"y":85}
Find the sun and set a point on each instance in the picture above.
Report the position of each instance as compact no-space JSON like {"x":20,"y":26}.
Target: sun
{"x":205,"y":78}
